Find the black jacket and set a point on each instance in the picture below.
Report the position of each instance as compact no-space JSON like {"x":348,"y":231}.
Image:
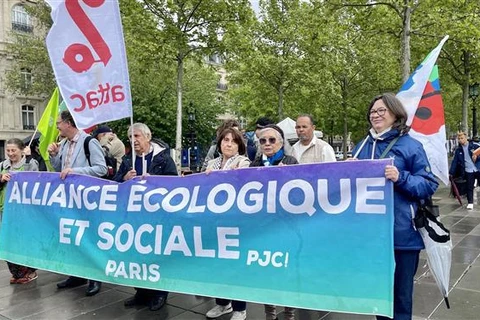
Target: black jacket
{"x":162,"y":164}
{"x":258,"y":162}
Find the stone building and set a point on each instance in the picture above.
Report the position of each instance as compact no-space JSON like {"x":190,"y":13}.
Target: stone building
{"x":19,"y":114}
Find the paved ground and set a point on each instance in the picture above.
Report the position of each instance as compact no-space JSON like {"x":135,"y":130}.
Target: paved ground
{"x":41,"y":300}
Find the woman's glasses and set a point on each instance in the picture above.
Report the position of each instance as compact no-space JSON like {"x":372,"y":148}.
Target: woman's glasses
{"x":381,"y":112}
{"x":270,"y":140}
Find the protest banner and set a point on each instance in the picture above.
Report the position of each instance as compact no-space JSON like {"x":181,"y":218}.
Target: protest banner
{"x":88,"y":56}
{"x":314,"y":236}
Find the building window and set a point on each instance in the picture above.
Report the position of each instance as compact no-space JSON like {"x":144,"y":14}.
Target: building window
{"x":21,"y":20}
{"x":2,"y":150}
{"x":215,"y":59}
{"x":28,"y":117}
{"x":222,"y":86}
{"x":25,"y":79}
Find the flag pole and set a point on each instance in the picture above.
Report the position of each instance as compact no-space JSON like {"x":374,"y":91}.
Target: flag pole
{"x":131,"y":141}
{"x":33,"y":136}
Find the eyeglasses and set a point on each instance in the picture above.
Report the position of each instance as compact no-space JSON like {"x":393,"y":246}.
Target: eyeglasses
{"x":58,"y":122}
{"x":381,"y":112}
{"x":270,"y":140}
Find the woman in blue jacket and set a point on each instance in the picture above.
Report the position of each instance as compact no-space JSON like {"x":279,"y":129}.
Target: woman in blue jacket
{"x":412,"y":180}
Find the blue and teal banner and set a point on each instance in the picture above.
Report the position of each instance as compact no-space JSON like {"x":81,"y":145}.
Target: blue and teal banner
{"x":316,"y":236}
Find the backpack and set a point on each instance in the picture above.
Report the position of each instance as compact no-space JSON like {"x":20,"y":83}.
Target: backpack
{"x":110,"y":160}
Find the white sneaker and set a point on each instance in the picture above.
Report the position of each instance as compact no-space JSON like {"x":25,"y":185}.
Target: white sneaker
{"x":239,"y":315}
{"x":470,"y":206}
{"x":219,"y":310}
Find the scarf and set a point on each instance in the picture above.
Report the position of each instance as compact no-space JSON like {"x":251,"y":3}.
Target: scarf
{"x":270,"y":161}
{"x":7,"y":164}
{"x":217,"y":164}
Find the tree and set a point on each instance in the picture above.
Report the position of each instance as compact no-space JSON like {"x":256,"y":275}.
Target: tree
{"x":461,"y":62}
{"x":403,"y":11}
{"x":355,"y":70}
{"x":193,"y":28}
{"x":267,"y":61}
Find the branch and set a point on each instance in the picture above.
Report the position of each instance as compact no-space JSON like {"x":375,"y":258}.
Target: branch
{"x":191,"y":14}
{"x":391,"y":5}
{"x":451,"y":59}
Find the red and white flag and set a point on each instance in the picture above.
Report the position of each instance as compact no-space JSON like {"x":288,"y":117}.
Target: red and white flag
{"x":87,"y":51}
{"x":421,"y":98}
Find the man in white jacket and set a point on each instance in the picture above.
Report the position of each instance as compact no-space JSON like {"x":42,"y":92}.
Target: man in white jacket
{"x":309,"y":148}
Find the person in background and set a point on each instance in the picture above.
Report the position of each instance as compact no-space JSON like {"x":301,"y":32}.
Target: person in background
{"x":158,"y":163}
{"x":465,"y":164}
{"x":272,"y":141}
{"x":19,"y":158}
{"x":34,"y":147}
{"x":231,"y":147}
{"x":309,"y":148}
{"x":413,"y":181}
{"x":69,"y":157}
{"x":110,"y":143}
{"x":213,"y":152}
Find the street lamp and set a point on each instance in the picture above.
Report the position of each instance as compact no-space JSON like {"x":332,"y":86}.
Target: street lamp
{"x":473,"y":93}
{"x":193,"y":146}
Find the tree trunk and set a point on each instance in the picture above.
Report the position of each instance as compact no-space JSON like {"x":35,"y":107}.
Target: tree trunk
{"x":407,"y":15}
{"x":345,"y":118}
{"x":466,"y":66}
{"x":280,"y":102}
{"x":178,"y":137}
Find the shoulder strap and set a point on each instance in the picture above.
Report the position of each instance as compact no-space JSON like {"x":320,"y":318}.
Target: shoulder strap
{"x":86,"y":149}
{"x":390,"y":145}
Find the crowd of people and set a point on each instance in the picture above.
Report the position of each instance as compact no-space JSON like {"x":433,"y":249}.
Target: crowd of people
{"x":387,"y":138}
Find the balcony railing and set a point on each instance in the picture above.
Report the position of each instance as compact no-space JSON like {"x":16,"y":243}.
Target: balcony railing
{"x":222,"y":86}
{"x":28,"y":127}
{"x":22,"y":27}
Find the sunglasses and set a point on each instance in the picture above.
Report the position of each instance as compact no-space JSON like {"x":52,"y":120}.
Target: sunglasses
{"x":270,"y":140}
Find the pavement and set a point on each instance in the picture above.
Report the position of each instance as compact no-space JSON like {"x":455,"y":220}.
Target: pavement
{"x":40,"y":299}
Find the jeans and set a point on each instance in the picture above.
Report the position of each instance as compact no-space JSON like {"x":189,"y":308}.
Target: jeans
{"x":470,"y":177}
{"x":406,"y":266}
{"x":236,"y":305}
{"x":271,"y":313}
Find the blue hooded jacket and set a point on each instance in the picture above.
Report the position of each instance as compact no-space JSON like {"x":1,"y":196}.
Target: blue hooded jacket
{"x":415,"y":181}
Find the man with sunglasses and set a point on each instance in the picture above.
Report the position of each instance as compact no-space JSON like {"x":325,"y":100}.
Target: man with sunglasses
{"x":309,"y":148}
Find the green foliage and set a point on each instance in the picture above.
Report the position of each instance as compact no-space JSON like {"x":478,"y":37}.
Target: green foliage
{"x":326,"y":58}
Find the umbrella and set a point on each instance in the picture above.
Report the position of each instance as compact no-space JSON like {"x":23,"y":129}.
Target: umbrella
{"x":438,"y":246}
{"x":455,"y":191}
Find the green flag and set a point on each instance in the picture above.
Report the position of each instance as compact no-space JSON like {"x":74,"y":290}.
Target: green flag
{"x":47,"y":125}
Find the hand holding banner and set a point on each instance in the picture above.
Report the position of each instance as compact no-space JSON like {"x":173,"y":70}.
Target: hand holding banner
{"x":316,"y":236}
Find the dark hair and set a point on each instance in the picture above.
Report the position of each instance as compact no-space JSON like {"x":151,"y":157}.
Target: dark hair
{"x":306,"y":115}
{"x":227,"y":124}
{"x":66,"y":116}
{"x":395,"y":107}
{"x":262,"y":122}
{"x":237,"y":138}
{"x":19,"y":143}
